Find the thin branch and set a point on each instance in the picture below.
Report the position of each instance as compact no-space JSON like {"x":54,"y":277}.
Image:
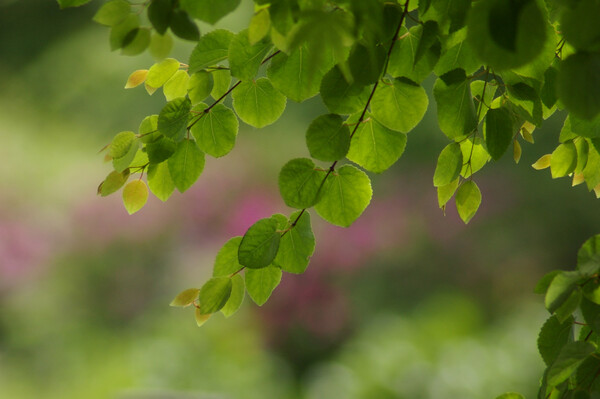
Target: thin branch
{"x":364,"y":111}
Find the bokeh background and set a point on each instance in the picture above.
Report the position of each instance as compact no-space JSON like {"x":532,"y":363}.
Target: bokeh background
{"x":406,"y":303}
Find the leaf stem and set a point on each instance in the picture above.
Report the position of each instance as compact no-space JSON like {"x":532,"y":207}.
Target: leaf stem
{"x":364,"y":111}
{"x":232,"y":88}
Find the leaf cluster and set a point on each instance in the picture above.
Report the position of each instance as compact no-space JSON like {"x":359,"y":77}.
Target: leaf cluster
{"x":501,"y":69}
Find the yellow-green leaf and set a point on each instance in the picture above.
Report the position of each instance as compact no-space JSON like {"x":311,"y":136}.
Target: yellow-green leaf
{"x":185,"y":297}
{"x":136,"y":78}
{"x":135,"y":195}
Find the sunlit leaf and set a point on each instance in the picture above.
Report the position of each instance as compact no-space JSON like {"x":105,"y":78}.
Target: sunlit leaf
{"x":448,"y":166}
{"x":211,"y":49}
{"x":347,"y":193}
{"x":260,"y":283}
{"x":216,"y":131}
{"x":226,"y":262}
{"x":159,"y":181}
{"x":186,"y":164}
{"x":136,"y":78}
{"x":135,"y":195}
{"x":185,"y":297}
{"x":161,"y":72}
{"x":258,"y":103}
{"x":468,"y":199}
{"x":238,"y":290}
{"x":400,"y":105}
{"x":112,"y":12}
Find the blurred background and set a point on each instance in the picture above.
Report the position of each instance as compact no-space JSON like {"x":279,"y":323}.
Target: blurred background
{"x":406,"y":303}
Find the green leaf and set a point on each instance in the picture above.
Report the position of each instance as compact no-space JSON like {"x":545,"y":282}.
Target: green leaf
{"x":159,"y":181}
{"x":569,"y":306}
{"x":455,"y":110}
{"x":563,"y":160}
{"x":291,"y":74}
{"x":568,"y":360}
{"x":366,"y":63}
{"x":160,"y":45}
{"x":476,"y":153}
{"x":553,"y":336}
{"x":341,"y":97}
{"x":135,"y":195}
{"x":113,"y":182}
{"x":347,"y":193}
{"x":477,"y":93}
{"x":259,"y":245}
{"x":282,"y":221}
{"x":297,"y":245}
{"x":138,"y":44}
{"x":587,"y":376}
{"x":226,"y":262}
{"x":583,"y":150}
{"x":72,"y":3}
{"x":499,"y":131}
{"x":403,"y":59}
{"x":183,"y":26}
{"x":374,"y":146}
{"x":185,"y":297}
{"x":258,"y":103}
{"x":506,"y":34}
{"x":527,"y":101}
{"x":448,"y":166}
{"x":123,"y":33}
{"x":561,"y":288}
{"x":300,"y":183}
{"x":399,"y":106}
{"x":542,"y":285}
{"x":578,"y":84}
{"x":199,"y":86}
{"x":209,"y":10}
{"x":591,"y":314}
{"x":468,"y":199}
{"x":211,"y":49}
{"x":160,"y":150}
{"x":328,"y":138}
{"x":121,"y":144}
{"x":123,"y":149}
{"x":176,"y":86}
{"x":511,"y":395}
{"x":591,"y":172}
{"x":161,"y":72}
{"x":457,"y":53}
{"x":201,"y":318}
{"x":222,"y":81}
{"x":236,"y":298}
{"x":429,"y":37}
{"x":245,"y":58}
{"x":259,"y":26}
{"x":589,"y":251}
{"x":173,"y":118}
{"x":579,"y":25}
{"x":216,"y":131}
{"x":444,"y":193}
{"x":112,"y":12}
{"x":186,"y":164}
{"x":159,"y":14}
{"x":214,"y":294}
{"x":260,"y":283}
